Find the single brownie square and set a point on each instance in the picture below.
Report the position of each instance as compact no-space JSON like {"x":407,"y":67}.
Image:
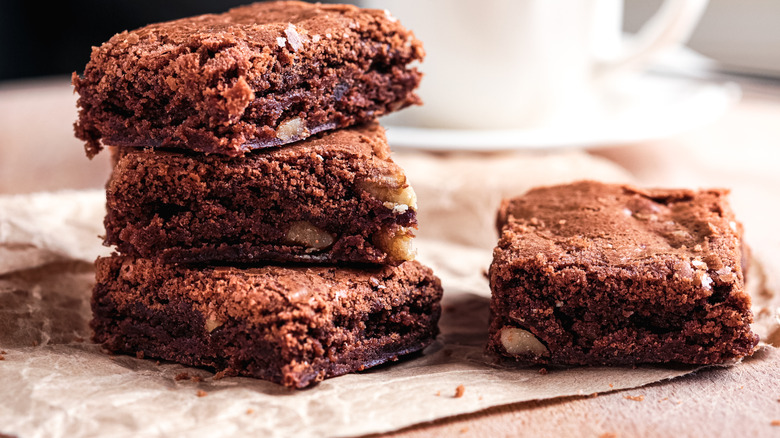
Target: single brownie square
{"x":592,"y":274}
{"x":335,"y":197}
{"x":290,"y":325}
{"x":260,"y":75}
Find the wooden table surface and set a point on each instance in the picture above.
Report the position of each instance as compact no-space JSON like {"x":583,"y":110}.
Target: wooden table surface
{"x":740,"y":151}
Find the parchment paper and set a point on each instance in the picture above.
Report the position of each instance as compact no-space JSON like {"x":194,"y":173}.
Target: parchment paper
{"x":45,"y":227}
{"x":54,"y":382}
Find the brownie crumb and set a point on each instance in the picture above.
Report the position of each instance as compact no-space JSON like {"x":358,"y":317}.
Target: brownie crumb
{"x":182,"y":376}
{"x":34,"y":343}
{"x":78,"y":339}
{"x":196,"y":378}
{"x":638,"y":398}
{"x":3,"y":352}
{"x":611,"y":385}
{"x":2,"y":357}
{"x":775,"y":423}
{"x":543,"y":371}
{"x":459,"y":391}
{"x":220,"y":375}
{"x":139,"y":354}
{"x":201,"y":393}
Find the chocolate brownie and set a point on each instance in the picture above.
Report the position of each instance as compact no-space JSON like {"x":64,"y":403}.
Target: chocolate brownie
{"x":335,"y":197}
{"x":290,"y":325}
{"x":590,"y":274}
{"x":260,"y":75}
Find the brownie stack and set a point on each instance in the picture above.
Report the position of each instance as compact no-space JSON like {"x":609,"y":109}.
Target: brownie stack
{"x":261,"y":227}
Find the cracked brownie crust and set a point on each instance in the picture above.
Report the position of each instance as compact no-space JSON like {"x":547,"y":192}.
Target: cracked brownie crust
{"x":260,"y":75}
{"x":590,"y":273}
{"x":290,"y":325}
{"x":336,"y":197}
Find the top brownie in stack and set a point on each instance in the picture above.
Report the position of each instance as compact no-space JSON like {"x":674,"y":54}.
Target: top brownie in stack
{"x":591,"y":273}
{"x":261,"y":75}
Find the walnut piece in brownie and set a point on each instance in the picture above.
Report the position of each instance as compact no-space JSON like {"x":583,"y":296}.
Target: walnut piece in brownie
{"x":290,"y":325}
{"x":590,"y":273}
{"x":260,"y":75}
{"x":335,"y":197}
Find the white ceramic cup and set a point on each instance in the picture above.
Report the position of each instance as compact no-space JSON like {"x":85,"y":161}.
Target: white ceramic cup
{"x":508,"y":64}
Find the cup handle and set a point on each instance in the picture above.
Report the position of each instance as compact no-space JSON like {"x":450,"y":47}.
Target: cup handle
{"x":673,"y":24}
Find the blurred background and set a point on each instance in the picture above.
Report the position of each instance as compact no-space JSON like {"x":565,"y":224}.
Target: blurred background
{"x":721,"y":88}
{"x":53,"y":38}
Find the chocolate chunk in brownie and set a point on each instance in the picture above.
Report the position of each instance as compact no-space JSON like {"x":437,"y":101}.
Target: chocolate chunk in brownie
{"x":290,"y":325}
{"x":260,"y":75}
{"x":335,"y":197}
{"x":590,"y":273}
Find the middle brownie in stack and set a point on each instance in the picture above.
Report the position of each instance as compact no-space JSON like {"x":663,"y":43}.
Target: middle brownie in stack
{"x":337,"y":197}
{"x":241,"y":249}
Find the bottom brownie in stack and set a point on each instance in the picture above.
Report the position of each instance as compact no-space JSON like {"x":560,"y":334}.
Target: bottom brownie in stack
{"x":293,"y":325}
